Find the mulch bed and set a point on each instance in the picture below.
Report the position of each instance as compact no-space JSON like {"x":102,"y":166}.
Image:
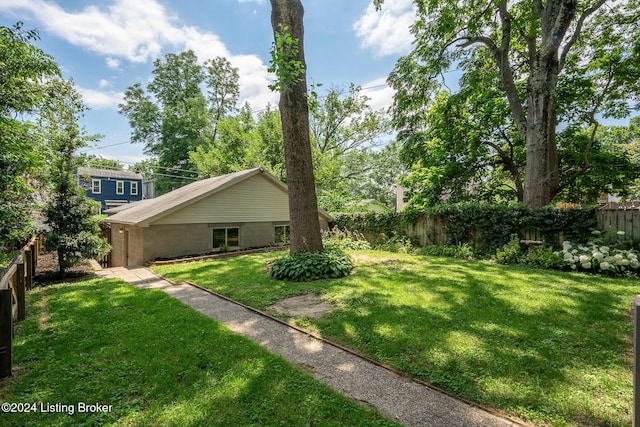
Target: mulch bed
{"x":47,"y":270}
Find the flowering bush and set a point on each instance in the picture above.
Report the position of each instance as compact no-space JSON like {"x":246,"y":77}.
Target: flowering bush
{"x":599,"y":258}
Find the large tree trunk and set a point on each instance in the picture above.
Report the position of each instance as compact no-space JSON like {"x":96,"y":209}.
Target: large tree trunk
{"x":294,"y":111}
{"x":541,"y":172}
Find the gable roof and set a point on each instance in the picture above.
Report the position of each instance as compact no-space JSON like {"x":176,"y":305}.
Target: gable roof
{"x":108,"y":173}
{"x":144,"y":212}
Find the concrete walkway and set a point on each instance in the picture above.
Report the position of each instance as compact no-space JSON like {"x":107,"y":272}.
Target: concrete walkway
{"x":398,"y":397}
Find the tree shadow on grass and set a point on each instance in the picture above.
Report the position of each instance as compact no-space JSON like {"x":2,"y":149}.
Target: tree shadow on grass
{"x":540,"y":344}
{"x":158,"y":362}
{"x":527,"y":349}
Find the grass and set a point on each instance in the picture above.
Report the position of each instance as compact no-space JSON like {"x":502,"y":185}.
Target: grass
{"x":156,"y":362}
{"x":553,"y":348}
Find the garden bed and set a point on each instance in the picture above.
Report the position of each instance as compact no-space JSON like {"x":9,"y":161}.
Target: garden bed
{"x":48,"y":271}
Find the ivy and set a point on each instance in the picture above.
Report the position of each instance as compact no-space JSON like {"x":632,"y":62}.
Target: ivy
{"x":284,"y":51}
{"x":486,"y":227}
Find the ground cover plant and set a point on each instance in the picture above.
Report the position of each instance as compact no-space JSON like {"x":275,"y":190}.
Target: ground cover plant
{"x":156,"y":362}
{"x":551,"y":347}
{"x":6,"y":258}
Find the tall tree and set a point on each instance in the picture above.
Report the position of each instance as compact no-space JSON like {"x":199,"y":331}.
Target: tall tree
{"x":72,"y":218}
{"x":23,"y":70}
{"x":343,"y":121}
{"x":542,"y":52}
{"x":173,"y":117}
{"x":223,"y":89}
{"x":289,"y":64}
{"x":343,"y":127}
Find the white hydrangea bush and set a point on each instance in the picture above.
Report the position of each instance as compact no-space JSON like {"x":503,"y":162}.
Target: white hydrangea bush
{"x":599,"y":259}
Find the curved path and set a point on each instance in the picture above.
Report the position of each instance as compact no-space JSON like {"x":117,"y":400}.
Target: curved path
{"x":400,"y":398}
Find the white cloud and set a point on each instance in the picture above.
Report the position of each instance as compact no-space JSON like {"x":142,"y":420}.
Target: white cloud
{"x":103,"y":83}
{"x":113,"y":63}
{"x":380,"y":93}
{"x":141,"y":31}
{"x":98,"y":100}
{"x":254,"y":81}
{"x":387,"y":32}
{"x":135,"y":31}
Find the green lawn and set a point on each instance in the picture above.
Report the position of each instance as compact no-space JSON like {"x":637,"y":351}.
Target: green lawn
{"x":156,"y":362}
{"x":550,"y":347}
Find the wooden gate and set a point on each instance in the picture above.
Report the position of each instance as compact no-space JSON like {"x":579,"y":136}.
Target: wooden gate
{"x":105,"y":261}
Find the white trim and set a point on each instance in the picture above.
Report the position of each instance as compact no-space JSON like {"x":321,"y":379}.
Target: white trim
{"x":93,"y":183}
{"x":134,"y":184}
{"x":118,"y":192}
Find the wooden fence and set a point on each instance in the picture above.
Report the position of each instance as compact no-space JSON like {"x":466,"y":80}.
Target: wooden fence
{"x":17,"y":279}
{"x":431,"y":230}
{"x":614,"y":220}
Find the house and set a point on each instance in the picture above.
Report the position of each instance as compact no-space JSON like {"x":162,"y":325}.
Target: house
{"x":110,"y":187}
{"x":245,"y":209}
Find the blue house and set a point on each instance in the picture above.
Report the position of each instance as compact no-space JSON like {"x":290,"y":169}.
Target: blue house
{"x":110,"y":187}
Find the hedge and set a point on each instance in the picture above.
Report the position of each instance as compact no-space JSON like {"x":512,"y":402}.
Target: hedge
{"x":486,"y":227}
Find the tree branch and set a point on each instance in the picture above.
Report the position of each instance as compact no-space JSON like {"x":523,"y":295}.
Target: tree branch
{"x":539,"y":8}
{"x":578,"y":30}
{"x":506,"y":73}
{"x":478,"y":39}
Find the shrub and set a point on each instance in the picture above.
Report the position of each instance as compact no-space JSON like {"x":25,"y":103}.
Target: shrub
{"x":545,"y":258}
{"x":398,"y":244}
{"x":345,"y":239}
{"x":463,"y":251}
{"x":304,"y":266}
{"x":598,"y":258}
{"x":511,"y":253}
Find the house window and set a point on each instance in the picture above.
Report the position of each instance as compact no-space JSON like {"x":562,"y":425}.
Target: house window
{"x":134,"y":188}
{"x":96,"y":186}
{"x":226,"y":237}
{"x":119,"y":187}
{"x":282,"y":234}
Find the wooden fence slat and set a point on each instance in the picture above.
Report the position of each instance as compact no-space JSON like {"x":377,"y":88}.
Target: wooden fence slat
{"x":614,"y":220}
{"x":29,"y":267}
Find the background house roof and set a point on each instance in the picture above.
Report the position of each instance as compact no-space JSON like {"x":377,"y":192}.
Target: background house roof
{"x":143,"y":212}
{"x":107,"y":173}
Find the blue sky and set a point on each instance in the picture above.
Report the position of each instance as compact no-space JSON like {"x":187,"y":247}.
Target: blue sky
{"x":108,"y":45}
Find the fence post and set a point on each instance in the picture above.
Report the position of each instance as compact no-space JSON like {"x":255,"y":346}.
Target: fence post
{"x":20,"y":290}
{"x":29,"y":267}
{"x":6,"y":332}
{"x":636,"y":362}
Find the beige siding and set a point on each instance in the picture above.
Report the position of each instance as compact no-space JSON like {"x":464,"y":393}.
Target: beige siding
{"x":136,"y":252}
{"x":255,"y":199}
{"x":168,"y":241}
